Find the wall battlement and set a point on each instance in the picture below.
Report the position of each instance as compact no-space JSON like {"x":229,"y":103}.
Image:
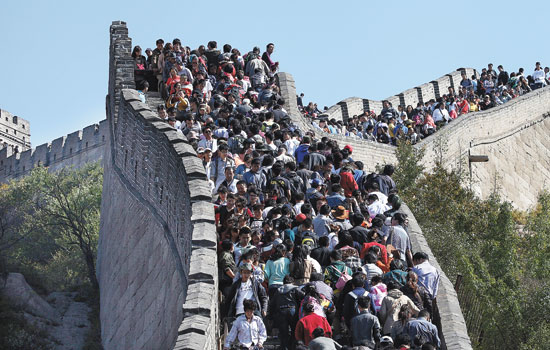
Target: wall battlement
{"x":75,"y":149}
{"x":433,"y":90}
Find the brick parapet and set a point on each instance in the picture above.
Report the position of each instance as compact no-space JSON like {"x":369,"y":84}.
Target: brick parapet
{"x":355,"y":106}
{"x":454,"y":334}
{"x":75,"y":149}
{"x":158,"y":270}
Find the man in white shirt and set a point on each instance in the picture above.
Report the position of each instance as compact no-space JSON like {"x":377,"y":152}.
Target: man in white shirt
{"x":428,"y":276}
{"x":539,"y":76}
{"x":248,"y":329}
{"x":375,"y":206}
{"x":208,"y":141}
{"x":440,"y":114}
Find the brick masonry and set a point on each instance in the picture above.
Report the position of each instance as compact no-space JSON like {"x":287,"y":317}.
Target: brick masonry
{"x":157,"y":250}
{"x":14,"y":132}
{"x":76,"y":149}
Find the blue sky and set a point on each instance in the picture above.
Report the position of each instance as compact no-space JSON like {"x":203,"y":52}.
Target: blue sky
{"x":55,"y":54}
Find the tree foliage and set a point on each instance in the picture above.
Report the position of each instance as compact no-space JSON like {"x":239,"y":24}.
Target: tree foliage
{"x":49,"y":226}
{"x":505,"y":269}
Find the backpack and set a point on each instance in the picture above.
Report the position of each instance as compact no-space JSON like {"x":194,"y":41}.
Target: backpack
{"x":296,"y":183}
{"x":277,"y":185}
{"x":356,"y":299}
{"x":308,"y":240}
{"x":342,"y":280}
{"x":237,"y":144}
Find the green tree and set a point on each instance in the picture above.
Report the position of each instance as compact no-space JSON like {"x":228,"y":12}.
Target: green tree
{"x":53,"y":213}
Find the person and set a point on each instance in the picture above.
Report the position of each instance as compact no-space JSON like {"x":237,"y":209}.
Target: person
{"x":322,"y":252}
{"x":405,"y":314}
{"x":539,"y":77}
{"x":277,"y":268}
{"x":334,"y":271}
{"x":219,"y":163}
{"x":229,"y":182}
{"x":370,"y":268}
{"x":428,"y":276}
{"x":391,"y":305}
{"x":266,"y":57}
{"x":307,"y":324}
{"x":350,"y":309}
{"x":385,"y":181}
{"x":417,"y":293}
{"x":377,"y":293}
{"x":321,"y":223}
{"x":248,"y":330}
{"x":320,"y":342}
{"x":284,"y":310}
{"x":247,"y":288}
{"x":300,"y":268}
{"x":422,"y":331}
{"x":365,"y":327}
{"x":400,"y":240}
{"x":226,"y":267}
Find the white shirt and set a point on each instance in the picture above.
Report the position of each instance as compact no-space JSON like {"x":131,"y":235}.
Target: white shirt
{"x":440,"y":115}
{"x":377,"y":208}
{"x":538,"y":76}
{"x":381,"y":197}
{"x":428,"y":277}
{"x":212,"y":144}
{"x":291,"y":146}
{"x":245,"y":292}
{"x":247,"y":333}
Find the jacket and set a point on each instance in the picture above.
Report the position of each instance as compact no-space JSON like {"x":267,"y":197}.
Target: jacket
{"x":391,"y":305}
{"x":260,"y":296}
{"x":301,"y":152}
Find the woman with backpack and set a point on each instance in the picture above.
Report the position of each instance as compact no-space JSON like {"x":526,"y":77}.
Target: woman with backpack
{"x":300,"y":267}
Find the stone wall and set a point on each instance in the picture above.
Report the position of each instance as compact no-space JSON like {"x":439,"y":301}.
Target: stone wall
{"x":453,"y":333}
{"x":433,"y":90}
{"x":453,"y":327}
{"x":513,"y":135}
{"x":157,"y":251}
{"x":76,"y":149}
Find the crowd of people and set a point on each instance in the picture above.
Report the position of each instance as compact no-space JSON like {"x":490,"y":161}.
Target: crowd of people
{"x":492,"y":88}
{"x":312,"y":249}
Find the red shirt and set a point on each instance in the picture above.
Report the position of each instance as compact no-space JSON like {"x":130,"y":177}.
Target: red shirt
{"x":348,"y":183}
{"x":307,"y":325}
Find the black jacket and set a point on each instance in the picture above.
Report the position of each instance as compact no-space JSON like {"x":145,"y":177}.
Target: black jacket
{"x":260,"y":296}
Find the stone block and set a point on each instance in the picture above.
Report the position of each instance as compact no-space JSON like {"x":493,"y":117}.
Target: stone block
{"x":204,"y":235}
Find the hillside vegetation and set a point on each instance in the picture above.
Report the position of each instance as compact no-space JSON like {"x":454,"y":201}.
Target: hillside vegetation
{"x":501,"y":255}
{"x":49,"y":227}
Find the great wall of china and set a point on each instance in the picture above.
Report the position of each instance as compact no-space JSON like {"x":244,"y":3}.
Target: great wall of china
{"x":157,"y":251}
